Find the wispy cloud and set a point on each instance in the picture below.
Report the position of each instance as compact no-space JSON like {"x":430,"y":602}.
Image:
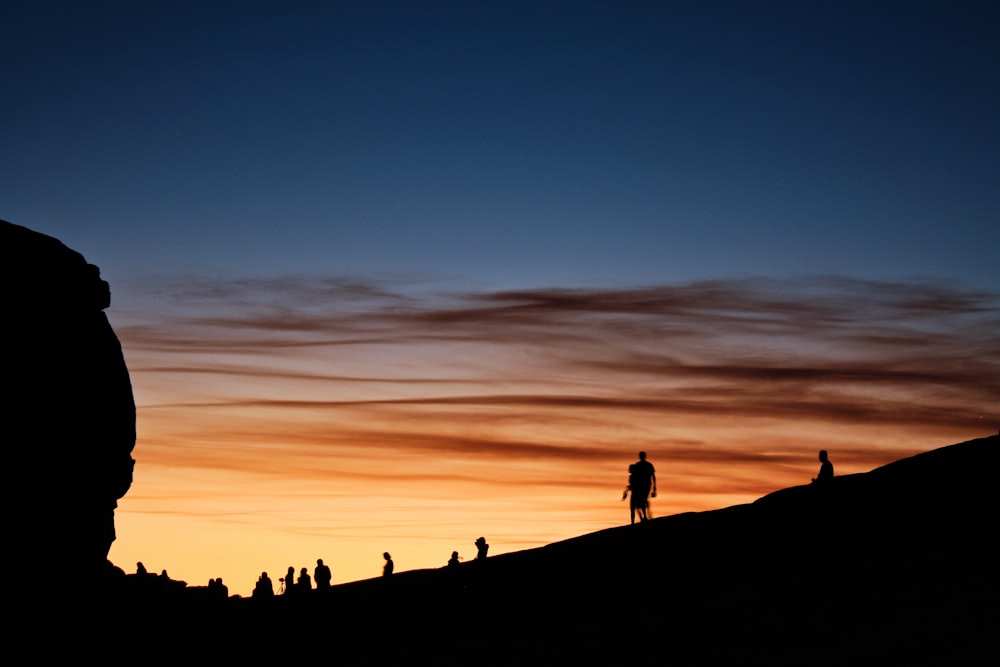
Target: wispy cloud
{"x":557,"y":375}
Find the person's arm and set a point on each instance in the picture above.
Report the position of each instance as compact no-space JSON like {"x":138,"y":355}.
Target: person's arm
{"x":652,"y":472}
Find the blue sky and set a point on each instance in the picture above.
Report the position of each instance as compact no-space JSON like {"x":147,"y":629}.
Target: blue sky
{"x":506,"y":144}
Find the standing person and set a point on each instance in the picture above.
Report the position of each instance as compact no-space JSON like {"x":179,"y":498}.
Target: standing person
{"x":388,"y":567}
{"x":643,"y":481}
{"x":481,"y":548}
{"x":636,"y":504}
{"x":825,"y":468}
{"x":322,"y":575}
{"x":288,"y":581}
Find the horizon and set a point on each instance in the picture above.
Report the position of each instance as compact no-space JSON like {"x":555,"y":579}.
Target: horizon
{"x":391,"y":278}
{"x":292,"y":427}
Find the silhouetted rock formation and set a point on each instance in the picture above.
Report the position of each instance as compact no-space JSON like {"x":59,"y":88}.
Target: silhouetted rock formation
{"x":69,"y":425}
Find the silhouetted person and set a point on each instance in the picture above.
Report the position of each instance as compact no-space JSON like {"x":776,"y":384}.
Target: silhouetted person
{"x":388,"y":567}
{"x":140,"y":568}
{"x":453,"y":561}
{"x":288,"y":581}
{"x":636,"y":503}
{"x":642,"y":481}
{"x":825,"y":469}
{"x":218,"y":588}
{"x":481,"y":548}
{"x":322,"y":575}
{"x":264,"y":588}
{"x":305,"y":581}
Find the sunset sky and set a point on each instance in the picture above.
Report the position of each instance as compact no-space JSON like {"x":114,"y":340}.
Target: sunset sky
{"x":392,"y":276}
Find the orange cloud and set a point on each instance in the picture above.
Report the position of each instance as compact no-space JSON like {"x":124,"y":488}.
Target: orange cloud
{"x":339,"y":389}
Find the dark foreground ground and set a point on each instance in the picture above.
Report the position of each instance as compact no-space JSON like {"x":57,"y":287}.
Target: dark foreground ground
{"x":894,"y":566}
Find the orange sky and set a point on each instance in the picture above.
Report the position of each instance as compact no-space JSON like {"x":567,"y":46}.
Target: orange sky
{"x":285,"y":420}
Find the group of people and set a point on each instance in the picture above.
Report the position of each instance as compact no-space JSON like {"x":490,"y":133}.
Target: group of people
{"x":264,"y":588}
{"x":481,"y":549}
{"x":219,"y":589}
{"x":641,"y":487}
{"x":290,"y":584}
{"x":642,"y":483}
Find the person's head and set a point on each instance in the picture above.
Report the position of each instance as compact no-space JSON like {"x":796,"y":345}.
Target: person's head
{"x":386,"y":556}
{"x":305,"y":571}
{"x":319,"y":561}
{"x":480,"y":541}
{"x":823,"y":455}
{"x":642,"y":456}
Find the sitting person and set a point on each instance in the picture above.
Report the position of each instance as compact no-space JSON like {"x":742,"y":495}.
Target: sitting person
{"x":263,"y":588}
{"x":305,"y":581}
{"x":825,"y":469}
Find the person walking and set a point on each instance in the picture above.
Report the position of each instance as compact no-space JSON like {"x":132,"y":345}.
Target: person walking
{"x":642,"y":481}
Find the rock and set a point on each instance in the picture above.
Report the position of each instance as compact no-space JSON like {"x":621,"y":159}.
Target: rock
{"x":69,"y":426}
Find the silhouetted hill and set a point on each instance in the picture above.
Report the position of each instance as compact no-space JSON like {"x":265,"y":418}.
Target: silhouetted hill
{"x":893,"y":566}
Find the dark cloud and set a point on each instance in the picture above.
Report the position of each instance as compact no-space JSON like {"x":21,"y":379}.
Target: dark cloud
{"x":817,"y":353}
{"x":762,"y":403}
{"x":278,"y":374}
{"x":822,"y":310}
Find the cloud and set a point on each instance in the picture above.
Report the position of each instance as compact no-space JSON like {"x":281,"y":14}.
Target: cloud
{"x":287,"y":313}
{"x":560,"y":376}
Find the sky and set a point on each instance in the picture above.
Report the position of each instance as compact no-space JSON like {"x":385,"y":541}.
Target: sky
{"x":392,"y":276}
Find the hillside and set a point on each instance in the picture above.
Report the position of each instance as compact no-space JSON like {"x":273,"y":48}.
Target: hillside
{"x":894,"y":565}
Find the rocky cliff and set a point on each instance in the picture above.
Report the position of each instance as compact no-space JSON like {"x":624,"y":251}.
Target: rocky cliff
{"x":69,"y":415}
